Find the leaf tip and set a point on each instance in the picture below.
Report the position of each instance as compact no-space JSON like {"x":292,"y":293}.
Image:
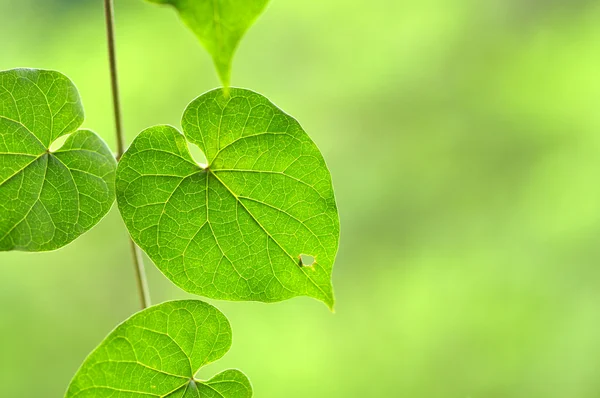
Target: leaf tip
{"x":226,"y":91}
{"x":223,"y":70}
{"x":328,"y":300}
{"x":330,"y":303}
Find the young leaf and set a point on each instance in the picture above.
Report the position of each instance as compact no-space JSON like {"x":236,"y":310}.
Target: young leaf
{"x":48,"y":197}
{"x":157,"y":352}
{"x":237,"y":228}
{"x":220,"y":25}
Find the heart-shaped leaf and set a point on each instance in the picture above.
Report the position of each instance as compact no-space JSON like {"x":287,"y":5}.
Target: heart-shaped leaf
{"x":48,"y":198}
{"x":157,"y":352}
{"x":220,"y":25}
{"x":242,"y":227}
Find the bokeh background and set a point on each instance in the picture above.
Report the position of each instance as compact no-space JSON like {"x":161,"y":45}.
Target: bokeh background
{"x":463,"y":137}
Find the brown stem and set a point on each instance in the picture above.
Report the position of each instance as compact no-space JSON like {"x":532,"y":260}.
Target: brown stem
{"x":136,"y":253}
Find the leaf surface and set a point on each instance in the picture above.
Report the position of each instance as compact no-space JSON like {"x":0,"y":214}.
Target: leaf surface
{"x":48,"y":198}
{"x":157,"y":352}
{"x":219,"y":25}
{"x":238,"y":228}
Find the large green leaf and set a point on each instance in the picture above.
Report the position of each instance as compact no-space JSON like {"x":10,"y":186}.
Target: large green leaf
{"x":48,"y":198}
{"x":157,"y":352}
{"x":236,"y":229}
{"x":219,"y":24}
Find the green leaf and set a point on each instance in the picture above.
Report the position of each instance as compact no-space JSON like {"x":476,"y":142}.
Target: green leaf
{"x":236,"y":229}
{"x":48,"y":197}
{"x":157,"y":352}
{"x":220,"y":25}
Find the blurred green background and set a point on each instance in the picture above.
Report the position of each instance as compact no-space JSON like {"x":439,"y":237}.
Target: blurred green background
{"x":463,"y":138}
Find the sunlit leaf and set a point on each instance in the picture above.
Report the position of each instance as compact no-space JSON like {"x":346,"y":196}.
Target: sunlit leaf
{"x":48,"y":197}
{"x":243,"y":226}
{"x":157,"y":353}
{"x":220,"y":25}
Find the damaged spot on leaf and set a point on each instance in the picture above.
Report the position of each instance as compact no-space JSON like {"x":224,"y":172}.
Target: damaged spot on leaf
{"x":306,"y":260}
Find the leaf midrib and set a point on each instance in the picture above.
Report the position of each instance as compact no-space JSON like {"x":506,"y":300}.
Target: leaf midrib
{"x":43,"y":147}
{"x":268,"y":233}
{"x":32,"y":206}
{"x":22,"y":168}
{"x":237,"y":199}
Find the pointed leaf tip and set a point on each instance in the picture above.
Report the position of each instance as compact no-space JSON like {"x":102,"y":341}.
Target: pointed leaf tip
{"x":219,"y":25}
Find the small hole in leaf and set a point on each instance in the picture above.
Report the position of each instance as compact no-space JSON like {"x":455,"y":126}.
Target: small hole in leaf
{"x":306,"y":260}
{"x":58,"y":143}
{"x":197,"y":155}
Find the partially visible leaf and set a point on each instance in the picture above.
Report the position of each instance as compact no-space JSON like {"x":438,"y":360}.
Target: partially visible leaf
{"x":220,"y":25}
{"x":48,"y":198}
{"x":240,"y":228}
{"x":157,"y":352}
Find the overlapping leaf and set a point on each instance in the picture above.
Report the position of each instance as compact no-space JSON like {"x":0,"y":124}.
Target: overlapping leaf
{"x":157,"y":352}
{"x":220,"y":25}
{"x":48,"y":198}
{"x":236,"y":229}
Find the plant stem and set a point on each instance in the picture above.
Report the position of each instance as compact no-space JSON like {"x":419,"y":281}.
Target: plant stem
{"x":112,"y":56}
{"x":140,"y":274}
{"x":136,"y":253}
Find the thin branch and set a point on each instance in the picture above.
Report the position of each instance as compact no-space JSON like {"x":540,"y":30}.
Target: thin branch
{"x":112,"y":56}
{"x":136,"y":253}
